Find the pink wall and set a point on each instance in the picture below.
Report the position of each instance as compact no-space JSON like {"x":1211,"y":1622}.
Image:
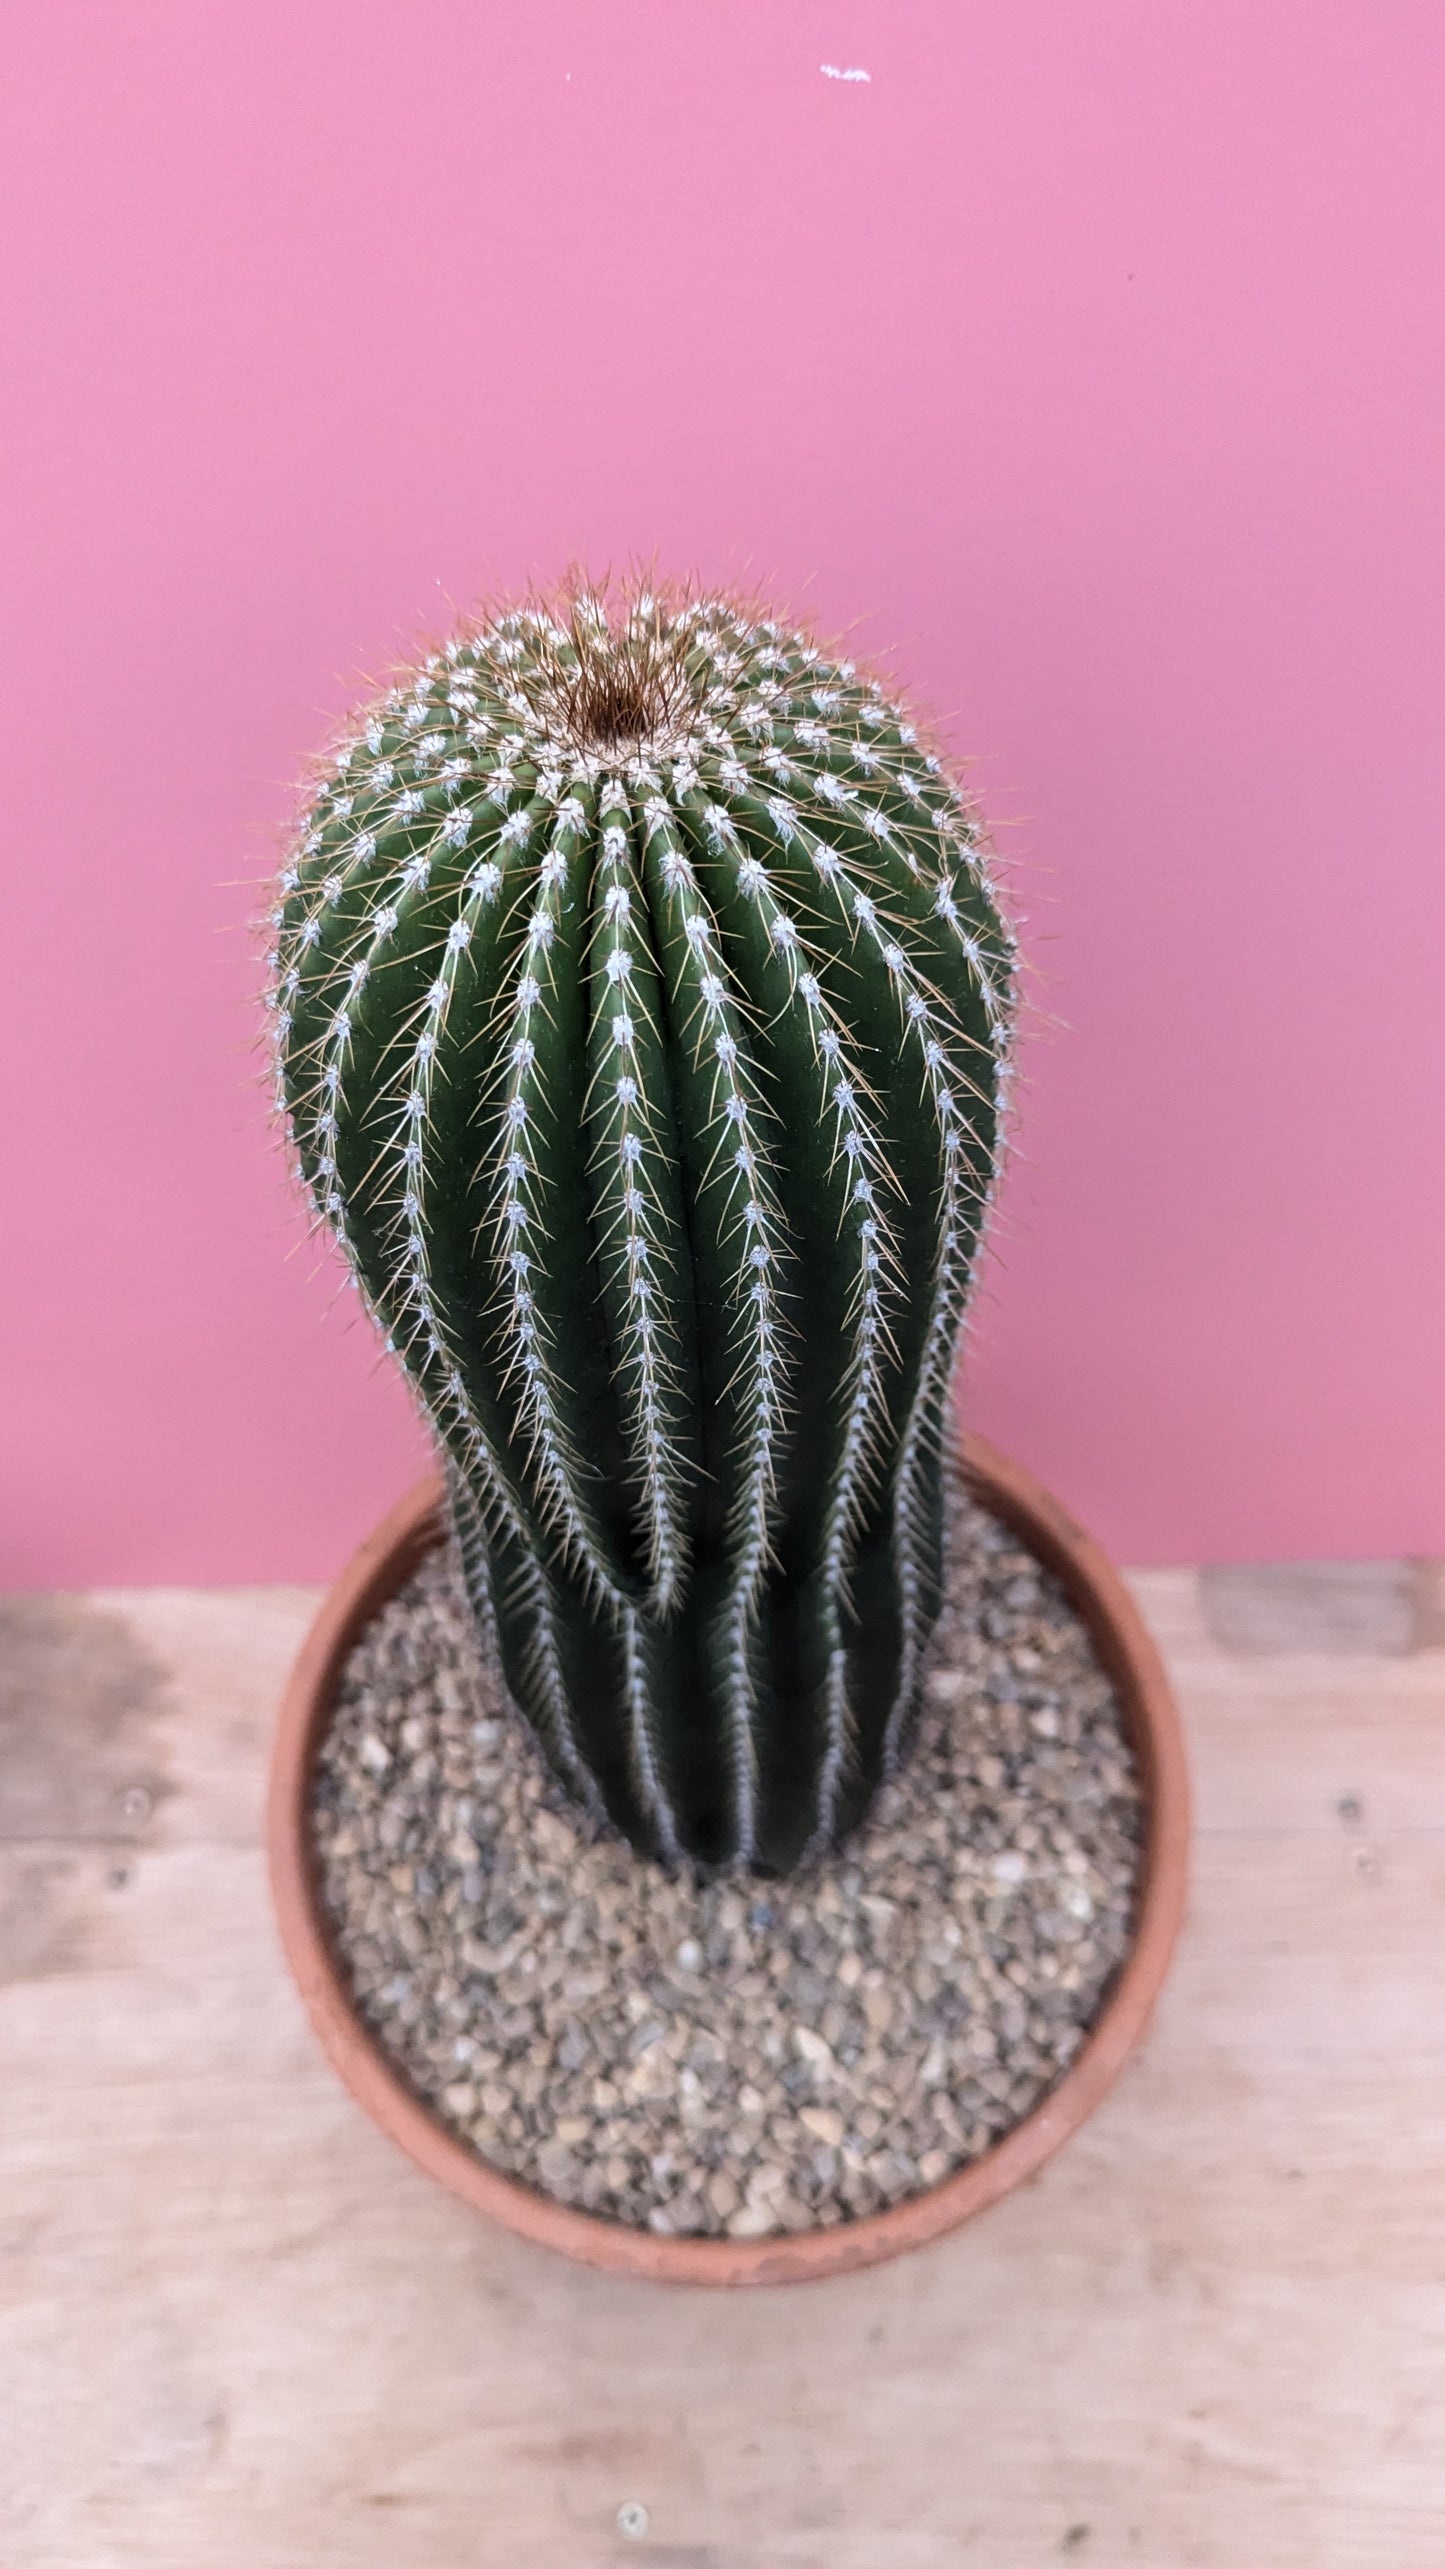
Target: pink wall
{"x":1092,"y":355}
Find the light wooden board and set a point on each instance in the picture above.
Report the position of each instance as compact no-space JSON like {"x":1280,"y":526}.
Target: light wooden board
{"x":238,"y":2332}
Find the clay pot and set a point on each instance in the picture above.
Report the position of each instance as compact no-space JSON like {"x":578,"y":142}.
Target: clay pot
{"x":383,"y":1564}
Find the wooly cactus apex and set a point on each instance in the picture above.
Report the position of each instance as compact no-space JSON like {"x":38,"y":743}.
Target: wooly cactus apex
{"x":642,"y":1003}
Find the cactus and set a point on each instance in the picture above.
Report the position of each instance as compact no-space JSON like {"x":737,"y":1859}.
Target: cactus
{"x":642,"y":1005}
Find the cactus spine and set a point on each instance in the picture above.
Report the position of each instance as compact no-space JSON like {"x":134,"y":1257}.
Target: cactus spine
{"x":642,"y":1004}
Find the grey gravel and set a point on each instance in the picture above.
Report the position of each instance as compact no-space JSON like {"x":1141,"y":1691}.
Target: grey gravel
{"x":727,"y":2056}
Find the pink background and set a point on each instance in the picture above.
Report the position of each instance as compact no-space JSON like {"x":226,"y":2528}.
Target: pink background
{"x":1092,"y":356}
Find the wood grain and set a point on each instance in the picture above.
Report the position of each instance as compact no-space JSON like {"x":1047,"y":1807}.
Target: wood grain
{"x":237,"y":2330}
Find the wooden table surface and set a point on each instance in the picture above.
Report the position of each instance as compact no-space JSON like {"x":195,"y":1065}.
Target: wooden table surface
{"x":237,"y":2331}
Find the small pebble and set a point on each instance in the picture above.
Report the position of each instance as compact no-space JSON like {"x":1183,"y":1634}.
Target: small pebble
{"x":812,"y":2048}
{"x":824,"y":2124}
{"x":691,"y":2054}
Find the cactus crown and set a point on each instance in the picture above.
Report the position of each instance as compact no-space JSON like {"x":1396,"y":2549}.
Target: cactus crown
{"x":642,"y":1006}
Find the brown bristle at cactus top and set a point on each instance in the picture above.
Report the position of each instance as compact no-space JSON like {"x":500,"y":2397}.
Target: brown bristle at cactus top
{"x":622,"y":689}
{"x":643,"y":1006}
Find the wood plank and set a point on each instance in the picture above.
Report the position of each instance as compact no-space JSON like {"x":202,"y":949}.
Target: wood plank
{"x":235,"y":2328}
{"x":1370,"y":1609}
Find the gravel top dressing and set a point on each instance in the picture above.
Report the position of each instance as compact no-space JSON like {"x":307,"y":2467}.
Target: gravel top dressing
{"x":730,"y":2057}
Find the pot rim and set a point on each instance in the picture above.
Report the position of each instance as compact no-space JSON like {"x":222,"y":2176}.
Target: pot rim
{"x":382,"y":1564}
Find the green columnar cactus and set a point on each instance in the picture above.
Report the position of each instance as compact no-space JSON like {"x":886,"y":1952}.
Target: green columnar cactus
{"x":643,"y":1004}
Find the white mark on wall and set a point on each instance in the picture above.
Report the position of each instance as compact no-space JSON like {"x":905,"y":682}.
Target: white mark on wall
{"x":834,"y":71}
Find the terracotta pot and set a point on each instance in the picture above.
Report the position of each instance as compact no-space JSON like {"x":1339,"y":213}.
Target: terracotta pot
{"x":381,"y":1566}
